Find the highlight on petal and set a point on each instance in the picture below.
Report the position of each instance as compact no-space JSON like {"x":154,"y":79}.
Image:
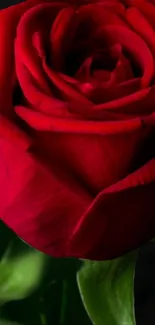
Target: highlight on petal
{"x":42,"y":122}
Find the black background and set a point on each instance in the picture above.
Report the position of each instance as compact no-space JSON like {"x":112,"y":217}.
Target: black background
{"x":7,"y":3}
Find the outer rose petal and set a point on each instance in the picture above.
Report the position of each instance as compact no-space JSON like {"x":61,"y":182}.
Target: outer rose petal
{"x":146,"y":7}
{"x":12,"y":133}
{"x":85,"y":151}
{"x":9,"y":19}
{"x":120,"y":218}
{"x":39,"y":206}
{"x":58,"y":218}
{"x":141,"y":26}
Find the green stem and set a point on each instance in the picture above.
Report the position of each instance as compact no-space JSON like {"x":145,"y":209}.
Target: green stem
{"x":63,"y":302}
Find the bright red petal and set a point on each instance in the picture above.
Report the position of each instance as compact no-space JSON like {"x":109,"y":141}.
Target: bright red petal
{"x":9,"y":19}
{"x":40,"y":206}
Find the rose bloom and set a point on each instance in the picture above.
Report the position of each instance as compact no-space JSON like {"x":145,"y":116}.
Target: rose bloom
{"x":77,"y":119}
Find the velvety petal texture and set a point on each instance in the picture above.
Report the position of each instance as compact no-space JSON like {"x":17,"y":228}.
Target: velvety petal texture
{"x":77,"y":125}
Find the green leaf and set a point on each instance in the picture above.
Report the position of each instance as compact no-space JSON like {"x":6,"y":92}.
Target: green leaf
{"x":20,"y":274}
{"x":107,"y":292}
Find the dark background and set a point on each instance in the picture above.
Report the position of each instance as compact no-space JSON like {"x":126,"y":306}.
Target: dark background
{"x":144,"y":279}
{"x":7,"y":3}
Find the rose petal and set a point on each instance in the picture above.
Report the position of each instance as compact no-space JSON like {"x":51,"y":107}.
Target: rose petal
{"x":146,"y":8}
{"x":142,"y":26}
{"x":123,"y":70}
{"x":100,"y":95}
{"x":108,"y":57}
{"x":85,"y":153}
{"x":83,"y":73}
{"x":61,"y":35}
{"x":38,"y":68}
{"x":10,"y":132}
{"x":9,"y":19}
{"x":139,"y":103}
{"x":67,"y":91}
{"x":30,"y":200}
{"x":45,"y":103}
{"x":135,"y":105}
{"x":42,"y":122}
{"x":100,"y":15}
{"x":24,"y":45}
{"x":88,"y":19}
{"x":115,"y":6}
{"x":116,"y":221}
{"x":135,"y":46}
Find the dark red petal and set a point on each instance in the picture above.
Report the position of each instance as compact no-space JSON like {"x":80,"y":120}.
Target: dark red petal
{"x":139,"y":103}
{"x":67,"y":91}
{"x":99,"y":14}
{"x":61,"y":35}
{"x":123,"y":70}
{"x":86,"y":74}
{"x":120,"y":219}
{"x":135,"y":45}
{"x":41,"y":101}
{"x":101,"y":95}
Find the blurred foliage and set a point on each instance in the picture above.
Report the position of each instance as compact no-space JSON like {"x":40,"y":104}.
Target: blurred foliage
{"x":20,"y":275}
{"x":36,"y":289}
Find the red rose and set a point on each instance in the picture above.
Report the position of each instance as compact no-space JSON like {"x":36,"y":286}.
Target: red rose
{"x":77,"y":118}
